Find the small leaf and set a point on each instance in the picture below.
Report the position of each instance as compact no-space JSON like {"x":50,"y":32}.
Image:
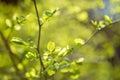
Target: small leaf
{"x":8,"y":23}
{"x":50,"y":72}
{"x":17,"y":27}
{"x":107,"y":19}
{"x":18,"y":41}
{"x":79,"y":61}
{"x":27,"y":74}
{"x":57,"y":66}
{"x":33,"y":72}
{"x":95,"y":24}
{"x":20,"y":66}
{"x":79,"y":41}
{"x":20,"y":19}
{"x":69,"y":49}
{"x":102,"y":24}
{"x":57,"y":49}
{"x":63,"y":52}
{"x":51,"y":46}
{"x":74,"y":77}
{"x":30,"y":55}
{"x":48,"y":13}
{"x":64,"y":70}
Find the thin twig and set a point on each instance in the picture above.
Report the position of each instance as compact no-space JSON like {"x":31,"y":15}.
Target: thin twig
{"x":39,"y":38}
{"x":97,"y":30}
{"x":11,"y":54}
{"x":94,"y":33}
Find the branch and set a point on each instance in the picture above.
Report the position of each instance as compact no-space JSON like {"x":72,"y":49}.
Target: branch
{"x":97,"y":30}
{"x":94,"y":33}
{"x":11,"y":54}
{"x":39,"y":37}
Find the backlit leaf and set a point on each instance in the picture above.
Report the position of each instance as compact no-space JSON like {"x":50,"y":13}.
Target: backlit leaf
{"x":8,"y":23}
{"x":63,"y":52}
{"x":50,"y":72}
{"x":79,"y":41}
{"x":51,"y":46}
{"x":107,"y":19}
{"x":30,"y":55}
{"x":95,"y":24}
{"x":79,"y":61}
{"x":18,"y":41}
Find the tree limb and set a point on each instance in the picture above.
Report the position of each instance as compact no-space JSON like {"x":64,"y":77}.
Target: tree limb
{"x":11,"y":54}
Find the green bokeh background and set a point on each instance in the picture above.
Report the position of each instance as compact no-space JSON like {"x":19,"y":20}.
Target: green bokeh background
{"x":71,"y":21}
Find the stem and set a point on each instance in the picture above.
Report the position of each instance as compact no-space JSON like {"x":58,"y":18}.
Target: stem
{"x":39,"y":38}
{"x":11,"y":54}
{"x":94,"y":33}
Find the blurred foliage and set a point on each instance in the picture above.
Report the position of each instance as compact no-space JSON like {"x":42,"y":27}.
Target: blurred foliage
{"x":67,"y":24}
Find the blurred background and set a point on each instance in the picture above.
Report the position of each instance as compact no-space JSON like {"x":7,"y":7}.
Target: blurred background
{"x":73,"y":20}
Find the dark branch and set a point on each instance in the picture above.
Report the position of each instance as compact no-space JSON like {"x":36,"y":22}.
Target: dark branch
{"x":11,"y":54}
{"x":39,"y":38}
{"x":39,"y":34}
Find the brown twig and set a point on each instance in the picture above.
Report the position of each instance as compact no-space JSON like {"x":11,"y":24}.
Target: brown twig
{"x":11,"y":54}
{"x":97,"y":30}
{"x":39,"y":38}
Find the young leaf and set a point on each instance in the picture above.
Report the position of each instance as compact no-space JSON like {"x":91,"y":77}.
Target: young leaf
{"x":48,"y":14}
{"x":79,"y":41}
{"x":20,"y":66}
{"x":18,"y":41}
{"x":107,"y":19}
{"x":50,"y":72}
{"x":102,"y":24}
{"x":69,"y":49}
{"x":95,"y":24}
{"x":20,"y":19}
{"x":63,"y":52}
{"x":30,"y":55}
{"x":51,"y":46}
{"x":8,"y":23}
{"x":64,"y":70}
{"x":79,"y":61}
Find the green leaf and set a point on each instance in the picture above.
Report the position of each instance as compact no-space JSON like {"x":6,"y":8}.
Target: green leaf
{"x":107,"y":19}
{"x":64,"y":70}
{"x":18,"y":41}
{"x":56,"y":66}
{"x":63,"y":52}
{"x":20,"y":66}
{"x":33,"y":72}
{"x":79,"y":41}
{"x":102,"y":24}
{"x":95,"y":24}
{"x":20,"y":19}
{"x":69,"y":49}
{"x":64,"y":65}
{"x":30,"y":55}
{"x":48,"y":13}
{"x":79,"y":61}
{"x":50,"y":72}
{"x":51,"y":46}
{"x":8,"y":23}
{"x":74,"y":77}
